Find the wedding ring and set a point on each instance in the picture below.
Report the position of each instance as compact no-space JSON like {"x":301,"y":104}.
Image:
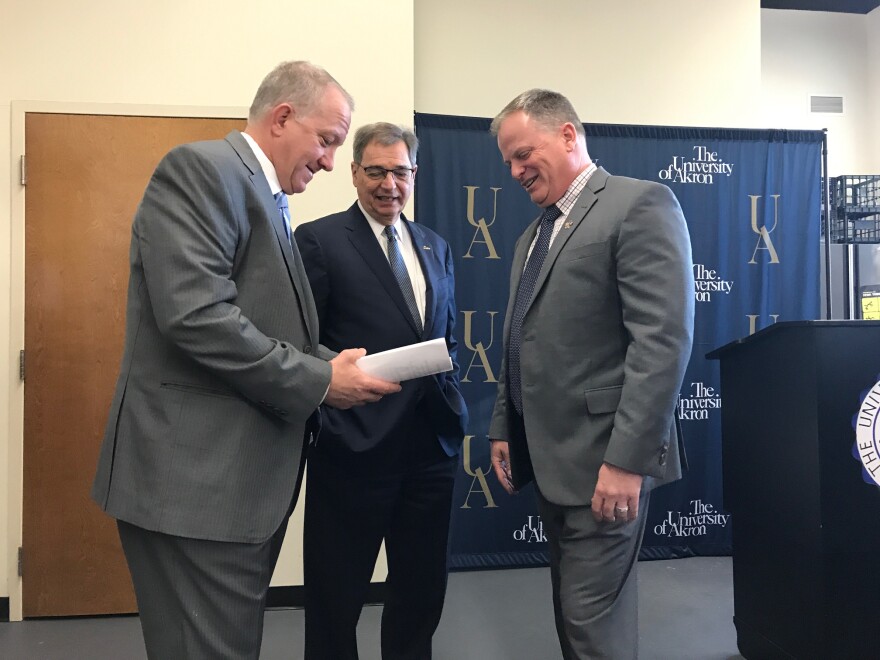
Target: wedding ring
{"x":622,"y":510}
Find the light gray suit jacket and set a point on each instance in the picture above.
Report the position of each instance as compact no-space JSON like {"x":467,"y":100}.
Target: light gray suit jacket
{"x":219,"y":372}
{"x":605,"y":341}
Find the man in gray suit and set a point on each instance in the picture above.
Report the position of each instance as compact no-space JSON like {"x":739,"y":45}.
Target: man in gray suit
{"x":597,"y":337}
{"x":222,"y":371}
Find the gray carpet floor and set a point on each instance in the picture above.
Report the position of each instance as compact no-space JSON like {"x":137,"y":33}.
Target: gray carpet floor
{"x":686,"y":613}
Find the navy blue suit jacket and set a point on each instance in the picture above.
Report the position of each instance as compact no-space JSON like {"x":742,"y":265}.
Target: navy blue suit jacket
{"x":360,"y":305}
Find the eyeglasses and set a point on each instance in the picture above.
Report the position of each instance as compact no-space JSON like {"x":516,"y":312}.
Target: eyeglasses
{"x":377,"y":173}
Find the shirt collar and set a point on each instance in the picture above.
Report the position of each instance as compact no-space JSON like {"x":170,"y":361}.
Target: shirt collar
{"x":378,"y":228}
{"x":566,"y":203}
{"x":265,"y":163}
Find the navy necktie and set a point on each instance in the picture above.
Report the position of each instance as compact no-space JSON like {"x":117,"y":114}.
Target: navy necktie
{"x":398,"y":267}
{"x":523,"y":298}
{"x":281,"y":203}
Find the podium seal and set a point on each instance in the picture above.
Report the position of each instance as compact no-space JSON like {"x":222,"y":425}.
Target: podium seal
{"x":867,"y":425}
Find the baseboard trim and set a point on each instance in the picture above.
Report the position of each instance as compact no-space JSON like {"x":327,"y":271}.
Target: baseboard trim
{"x":295,"y":597}
{"x":278,"y":597}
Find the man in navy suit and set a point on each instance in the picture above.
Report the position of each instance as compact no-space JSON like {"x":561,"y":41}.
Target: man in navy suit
{"x":384,"y":471}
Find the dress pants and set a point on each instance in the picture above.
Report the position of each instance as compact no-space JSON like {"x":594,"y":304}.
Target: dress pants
{"x":401,"y":493}
{"x":200,"y":600}
{"x":594,"y":577}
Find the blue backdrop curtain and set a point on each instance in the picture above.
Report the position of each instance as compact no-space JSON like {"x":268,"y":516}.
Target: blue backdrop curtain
{"x":752,"y":203}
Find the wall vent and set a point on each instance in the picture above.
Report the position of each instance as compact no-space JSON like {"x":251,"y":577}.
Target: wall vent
{"x":833,"y":104}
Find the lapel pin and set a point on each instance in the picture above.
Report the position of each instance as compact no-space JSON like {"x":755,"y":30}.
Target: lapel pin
{"x":567,"y":225}
{"x":426,"y":247}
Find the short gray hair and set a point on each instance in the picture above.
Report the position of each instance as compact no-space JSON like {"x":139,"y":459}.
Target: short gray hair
{"x":299,"y":83}
{"x":385,"y":134}
{"x":549,"y":109}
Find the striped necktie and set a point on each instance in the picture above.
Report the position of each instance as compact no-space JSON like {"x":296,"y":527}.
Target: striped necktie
{"x":523,"y":299}
{"x":281,"y":203}
{"x":398,"y":267}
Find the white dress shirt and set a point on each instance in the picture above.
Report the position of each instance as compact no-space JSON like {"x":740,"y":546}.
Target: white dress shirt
{"x":413,"y":267}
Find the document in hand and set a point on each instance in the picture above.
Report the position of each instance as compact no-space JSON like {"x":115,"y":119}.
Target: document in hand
{"x":406,"y":362}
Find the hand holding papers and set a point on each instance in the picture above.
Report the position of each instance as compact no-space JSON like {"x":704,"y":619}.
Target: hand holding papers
{"x":413,"y":361}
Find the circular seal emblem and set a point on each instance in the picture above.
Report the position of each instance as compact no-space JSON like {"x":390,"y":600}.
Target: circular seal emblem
{"x":867,"y":426}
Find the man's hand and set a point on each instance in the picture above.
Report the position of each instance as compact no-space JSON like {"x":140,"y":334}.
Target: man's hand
{"x":501,"y":464}
{"x":349,"y":386}
{"x":617,"y":494}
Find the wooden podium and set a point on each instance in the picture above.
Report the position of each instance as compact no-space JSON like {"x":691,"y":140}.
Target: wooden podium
{"x":806,"y":522}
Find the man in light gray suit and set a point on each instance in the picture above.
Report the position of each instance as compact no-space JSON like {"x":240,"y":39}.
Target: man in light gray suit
{"x":222,"y":371}
{"x":597,"y":337}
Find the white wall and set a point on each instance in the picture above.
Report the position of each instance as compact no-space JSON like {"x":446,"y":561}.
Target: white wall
{"x":190,"y":53}
{"x":872,"y":126}
{"x":823,"y":53}
{"x":684,"y":62}
{"x":678,"y":62}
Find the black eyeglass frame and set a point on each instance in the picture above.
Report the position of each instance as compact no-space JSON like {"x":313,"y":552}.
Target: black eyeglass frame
{"x":399,"y":173}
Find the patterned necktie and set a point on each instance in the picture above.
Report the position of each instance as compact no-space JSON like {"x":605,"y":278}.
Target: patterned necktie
{"x":398,"y":267}
{"x":523,"y":298}
{"x":281,"y":203}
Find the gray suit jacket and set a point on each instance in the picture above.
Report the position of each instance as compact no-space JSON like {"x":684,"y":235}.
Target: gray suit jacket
{"x":219,"y":372}
{"x":605,"y":341}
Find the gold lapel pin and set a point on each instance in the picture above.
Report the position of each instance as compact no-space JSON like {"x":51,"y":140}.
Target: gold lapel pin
{"x":567,"y":225}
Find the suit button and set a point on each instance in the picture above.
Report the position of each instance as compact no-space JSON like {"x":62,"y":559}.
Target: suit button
{"x":663,"y":453}
{"x":307,"y":349}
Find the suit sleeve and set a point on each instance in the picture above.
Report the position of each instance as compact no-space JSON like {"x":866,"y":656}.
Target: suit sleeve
{"x":191,"y":221}
{"x":455,"y":410}
{"x":315,"y":265}
{"x":656,"y":288}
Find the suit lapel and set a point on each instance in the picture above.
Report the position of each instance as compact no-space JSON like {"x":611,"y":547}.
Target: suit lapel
{"x":364,"y":241}
{"x":521,"y":254}
{"x":426,"y":252}
{"x":292,"y":259}
{"x":579,"y":211}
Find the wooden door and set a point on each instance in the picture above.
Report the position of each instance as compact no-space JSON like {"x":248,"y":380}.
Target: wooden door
{"x":85,"y":177}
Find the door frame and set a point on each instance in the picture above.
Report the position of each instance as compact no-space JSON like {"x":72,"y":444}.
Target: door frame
{"x":15,"y":387}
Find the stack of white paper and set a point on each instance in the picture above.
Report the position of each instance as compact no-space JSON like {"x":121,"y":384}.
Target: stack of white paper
{"x":406,"y":362}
